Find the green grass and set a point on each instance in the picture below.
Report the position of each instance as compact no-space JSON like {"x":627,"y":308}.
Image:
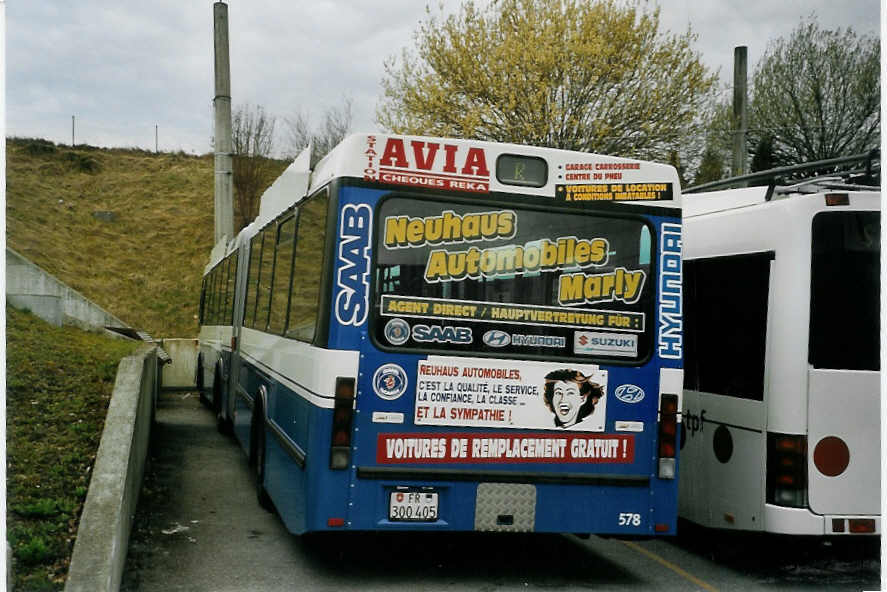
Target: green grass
{"x":59,"y":383}
{"x":143,"y":262}
{"x":144,"y":266}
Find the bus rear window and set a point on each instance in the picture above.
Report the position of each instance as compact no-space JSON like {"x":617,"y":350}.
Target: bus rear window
{"x":844,"y":305}
{"x":505,"y":280}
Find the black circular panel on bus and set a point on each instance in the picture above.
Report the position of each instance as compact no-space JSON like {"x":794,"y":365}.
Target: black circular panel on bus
{"x":723,"y":444}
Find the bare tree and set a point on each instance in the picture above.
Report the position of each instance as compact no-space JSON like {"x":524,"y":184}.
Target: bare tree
{"x":817,"y":95}
{"x":252,"y":141}
{"x":335,"y":126}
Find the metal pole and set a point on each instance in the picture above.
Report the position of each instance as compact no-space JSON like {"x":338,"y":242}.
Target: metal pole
{"x":72,"y":131}
{"x":155,"y":139}
{"x":224,"y":202}
{"x":740,"y":116}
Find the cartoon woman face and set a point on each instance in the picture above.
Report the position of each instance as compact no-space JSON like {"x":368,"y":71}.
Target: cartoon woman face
{"x":566,"y":401}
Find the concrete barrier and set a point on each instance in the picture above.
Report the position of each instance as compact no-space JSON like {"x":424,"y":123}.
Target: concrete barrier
{"x":30,"y":287}
{"x":105,"y":524}
{"x":180,"y":373}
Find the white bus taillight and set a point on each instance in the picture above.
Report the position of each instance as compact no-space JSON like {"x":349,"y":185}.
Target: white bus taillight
{"x":668,"y":430}
{"x":862,"y":525}
{"x":787,"y":470}
{"x":343,"y":412}
{"x":837,"y":199}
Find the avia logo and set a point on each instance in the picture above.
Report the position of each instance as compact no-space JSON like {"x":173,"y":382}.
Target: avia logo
{"x":352,"y":277}
{"x":438,"y":334}
{"x":427,"y":156}
{"x":629,"y":393}
{"x":497,"y":338}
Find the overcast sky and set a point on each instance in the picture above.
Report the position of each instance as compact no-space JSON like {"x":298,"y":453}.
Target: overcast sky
{"x":122,"y":67}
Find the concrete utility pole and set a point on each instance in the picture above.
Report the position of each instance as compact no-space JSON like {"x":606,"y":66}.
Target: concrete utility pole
{"x":224,"y":179}
{"x":740,"y":116}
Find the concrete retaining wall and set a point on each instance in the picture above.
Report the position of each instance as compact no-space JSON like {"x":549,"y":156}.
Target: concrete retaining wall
{"x":103,"y":535}
{"x":181,"y":372}
{"x":29,"y":287}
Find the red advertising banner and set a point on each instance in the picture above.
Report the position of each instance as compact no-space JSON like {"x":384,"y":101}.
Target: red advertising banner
{"x":513,"y":448}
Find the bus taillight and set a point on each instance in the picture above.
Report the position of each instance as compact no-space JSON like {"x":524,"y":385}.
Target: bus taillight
{"x":862,"y":525}
{"x":668,"y":430}
{"x":343,"y":411}
{"x":787,"y":470}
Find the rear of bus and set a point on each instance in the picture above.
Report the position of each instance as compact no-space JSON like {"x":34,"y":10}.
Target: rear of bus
{"x":782,"y":409}
{"x":519,"y":342}
{"x":843,"y":380}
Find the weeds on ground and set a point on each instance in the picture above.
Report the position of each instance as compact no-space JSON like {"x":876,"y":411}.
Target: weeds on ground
{"x":58,"y":385}
{"x":126,"y":228}
{"x":130,"y":229}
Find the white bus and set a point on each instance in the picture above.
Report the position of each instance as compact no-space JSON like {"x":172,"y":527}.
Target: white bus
{"x":781,"y":383}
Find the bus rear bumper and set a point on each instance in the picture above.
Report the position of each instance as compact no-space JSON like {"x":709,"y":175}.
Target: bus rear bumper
{"x":617,"y":505}
{"x":802,"y":521}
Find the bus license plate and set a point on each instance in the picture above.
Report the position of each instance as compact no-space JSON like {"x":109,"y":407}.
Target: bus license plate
{"x":412,"y":506}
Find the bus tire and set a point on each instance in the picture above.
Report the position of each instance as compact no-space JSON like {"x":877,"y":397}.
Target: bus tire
{"x":223,"y":425}
{"x":258,"y":457}
{"x":198,"y":380}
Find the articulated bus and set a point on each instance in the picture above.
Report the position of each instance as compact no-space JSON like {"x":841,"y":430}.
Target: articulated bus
{"x":781,"y":408}
{"x":435,"y":334}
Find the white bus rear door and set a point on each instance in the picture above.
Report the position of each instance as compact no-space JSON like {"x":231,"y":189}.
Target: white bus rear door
{"x":843,"y":442}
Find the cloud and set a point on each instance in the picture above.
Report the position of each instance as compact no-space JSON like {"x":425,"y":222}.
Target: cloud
{"x":122,"y":67}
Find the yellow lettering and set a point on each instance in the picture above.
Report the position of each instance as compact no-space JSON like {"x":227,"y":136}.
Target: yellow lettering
{"x":436,"y":268}
{"x":570,"y":288}
{"x":416,"y":231}
{"x":396,"y":231}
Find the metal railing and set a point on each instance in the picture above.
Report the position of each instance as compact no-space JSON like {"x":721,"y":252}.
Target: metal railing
{"x":871,"y":160}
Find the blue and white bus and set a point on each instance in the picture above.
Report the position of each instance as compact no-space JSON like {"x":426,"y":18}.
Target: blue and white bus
{"x":436,"y":334}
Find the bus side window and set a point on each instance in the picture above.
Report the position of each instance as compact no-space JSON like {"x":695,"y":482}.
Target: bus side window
{"x":283,"y":266}
{"x":308,"y":268}
{"x":255,"y":258}
{"x":202,"y":302}
{"x":211,"y":307}
{"x":223,"y":290}
{"x":726,"y":324}
{"x":266,"y":276}
{"x":219,"y":294}
{"x":232,"y":274}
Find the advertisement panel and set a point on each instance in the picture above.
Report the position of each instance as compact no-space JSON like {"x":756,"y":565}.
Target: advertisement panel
{"x":468,"y":278}
{"x":475,"y":392}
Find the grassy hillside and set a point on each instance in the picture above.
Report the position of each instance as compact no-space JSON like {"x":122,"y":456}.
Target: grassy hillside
{"x":59,"y":383}
{"x":130,"y":229}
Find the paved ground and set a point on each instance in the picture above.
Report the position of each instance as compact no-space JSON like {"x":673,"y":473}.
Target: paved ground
{"x":199,"y":528}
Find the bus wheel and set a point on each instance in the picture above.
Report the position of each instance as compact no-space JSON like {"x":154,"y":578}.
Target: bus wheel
{"x":259,"y":459}
{"x":198,"y":381}
{"x":222,"y":425}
